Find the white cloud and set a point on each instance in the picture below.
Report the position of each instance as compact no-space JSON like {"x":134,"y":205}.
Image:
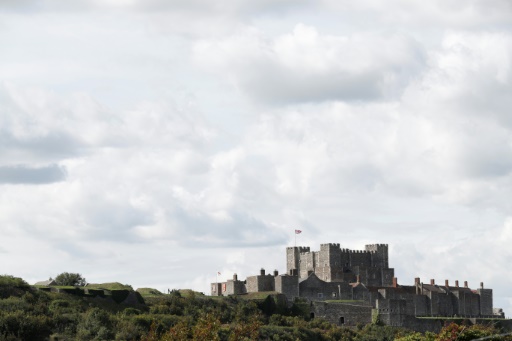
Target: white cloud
{"x":306,"y":66}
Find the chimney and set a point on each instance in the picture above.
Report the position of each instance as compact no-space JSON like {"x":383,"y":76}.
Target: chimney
{"x":457,"y":283}
{"x":417,"y":280}
{"x":395,"y":282}
{"x":465,"y":284}
{"x":235,"y":277}
{"x":276,"y":273}
{"x":481,"y":285}
{"x":358,"y":279}
{"x":417,"y":285}
{"x":262,"y":272}
{"x":432,"y":282}
{"x":446,"y":283}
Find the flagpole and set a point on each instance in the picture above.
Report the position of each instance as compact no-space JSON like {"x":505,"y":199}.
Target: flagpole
{"x":296,"y":233}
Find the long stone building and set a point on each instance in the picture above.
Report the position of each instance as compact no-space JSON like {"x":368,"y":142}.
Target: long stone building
{"x":350,"y":286}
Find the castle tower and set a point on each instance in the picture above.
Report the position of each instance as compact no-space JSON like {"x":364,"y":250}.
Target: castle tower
{"x":329,"y":264}
{"x":379,"y":255}
{"x":293,"y":257}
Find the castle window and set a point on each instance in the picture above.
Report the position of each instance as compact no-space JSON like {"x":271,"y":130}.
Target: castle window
{"x":342,"y":320}
{"x":334,"y":294}
{"x":320,"y":295}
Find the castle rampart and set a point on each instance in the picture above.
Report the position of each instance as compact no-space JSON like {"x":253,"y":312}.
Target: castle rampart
{"x":335,"y":273}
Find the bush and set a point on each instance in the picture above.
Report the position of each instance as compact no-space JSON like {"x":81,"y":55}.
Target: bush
{"x":131,"y":311}
{"x":96,"y":324}
{"x":58,"y":305}
{"x":12,"y":286}
{"x":70,"y":279}
{"x":25,"y":326}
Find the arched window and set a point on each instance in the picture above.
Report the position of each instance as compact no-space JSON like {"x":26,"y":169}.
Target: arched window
{"x":342,"y":320}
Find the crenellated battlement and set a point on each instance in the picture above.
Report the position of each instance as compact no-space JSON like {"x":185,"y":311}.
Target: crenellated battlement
{"x":358,"y":251}
{"x":330,"y":245}
{"x":332,"y":262}
{"x":375,"y":246}
{"x":301,"y":249}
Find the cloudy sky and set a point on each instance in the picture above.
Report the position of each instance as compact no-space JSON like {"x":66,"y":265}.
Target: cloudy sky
{"x":157,"y":142}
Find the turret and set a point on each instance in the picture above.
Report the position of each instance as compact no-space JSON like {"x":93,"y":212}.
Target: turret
{"x":379,"y":255}
{"x":293,"y":256}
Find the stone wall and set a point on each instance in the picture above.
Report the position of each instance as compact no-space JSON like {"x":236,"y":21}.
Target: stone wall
{"x":379,"y":255}
{"x":421,"y":305}
{"x":216,"y":289}
{"x":392,"y":312}
{"x":287,"y":285}
{"x":260,"y":283}
{"x":360,"y":258}
{"x":387,"y":277}
{"x":346,"y":314}
{"x":307,"y":264}
{"x":485,"y":301}
{"x":315,"y":289}
{"x":293,"y":256}
{"x":235,"y":287}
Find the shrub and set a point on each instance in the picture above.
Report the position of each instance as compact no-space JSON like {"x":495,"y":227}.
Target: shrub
{"x":70,"y":279}
{"x":131,"y":311}
{"x":12,"y":286}
{"x":96,"y":324}
{"x":25,"y":326}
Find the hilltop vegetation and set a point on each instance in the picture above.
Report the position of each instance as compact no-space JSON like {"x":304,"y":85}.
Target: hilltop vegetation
{"x":113,"y":311}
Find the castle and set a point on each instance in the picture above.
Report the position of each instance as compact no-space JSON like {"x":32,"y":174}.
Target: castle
{"x":349,"y":287}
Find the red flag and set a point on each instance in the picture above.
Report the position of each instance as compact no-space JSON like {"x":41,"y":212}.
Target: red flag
{"x":298,"y":231}
{"x":218,"y":273}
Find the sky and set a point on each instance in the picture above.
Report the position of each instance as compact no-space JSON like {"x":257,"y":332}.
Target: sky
{"x":157,"y":143}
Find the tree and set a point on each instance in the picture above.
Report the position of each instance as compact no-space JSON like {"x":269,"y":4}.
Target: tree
{"x":71,"y":279}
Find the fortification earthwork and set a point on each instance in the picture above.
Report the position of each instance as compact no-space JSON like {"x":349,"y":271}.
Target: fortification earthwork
{"x":349,"y":287}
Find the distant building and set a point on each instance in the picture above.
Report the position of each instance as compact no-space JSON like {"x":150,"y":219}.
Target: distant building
{"x":348,"y":287}
{"x":47,"y":283}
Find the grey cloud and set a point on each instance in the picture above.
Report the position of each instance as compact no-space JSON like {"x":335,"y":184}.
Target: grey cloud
{"x":54,"y":145}
{"x":22,"y":174}
{"x":242,"y":230}
{"x":244,"y":6}
{"x":307,"y":66}
{"x":73,"y":249}
{"x":296,"y":88}
{"x":111,"y":220}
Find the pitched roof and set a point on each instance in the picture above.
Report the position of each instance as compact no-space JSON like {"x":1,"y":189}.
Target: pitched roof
{"x":46,"y":283}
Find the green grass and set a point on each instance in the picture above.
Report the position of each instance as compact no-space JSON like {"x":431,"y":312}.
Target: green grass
{"x":109,"y":286}
{"x":188,"y":292}
{"x":149,"y":292}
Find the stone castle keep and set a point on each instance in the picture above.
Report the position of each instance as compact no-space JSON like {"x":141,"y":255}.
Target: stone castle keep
{"x":350,"y":286}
